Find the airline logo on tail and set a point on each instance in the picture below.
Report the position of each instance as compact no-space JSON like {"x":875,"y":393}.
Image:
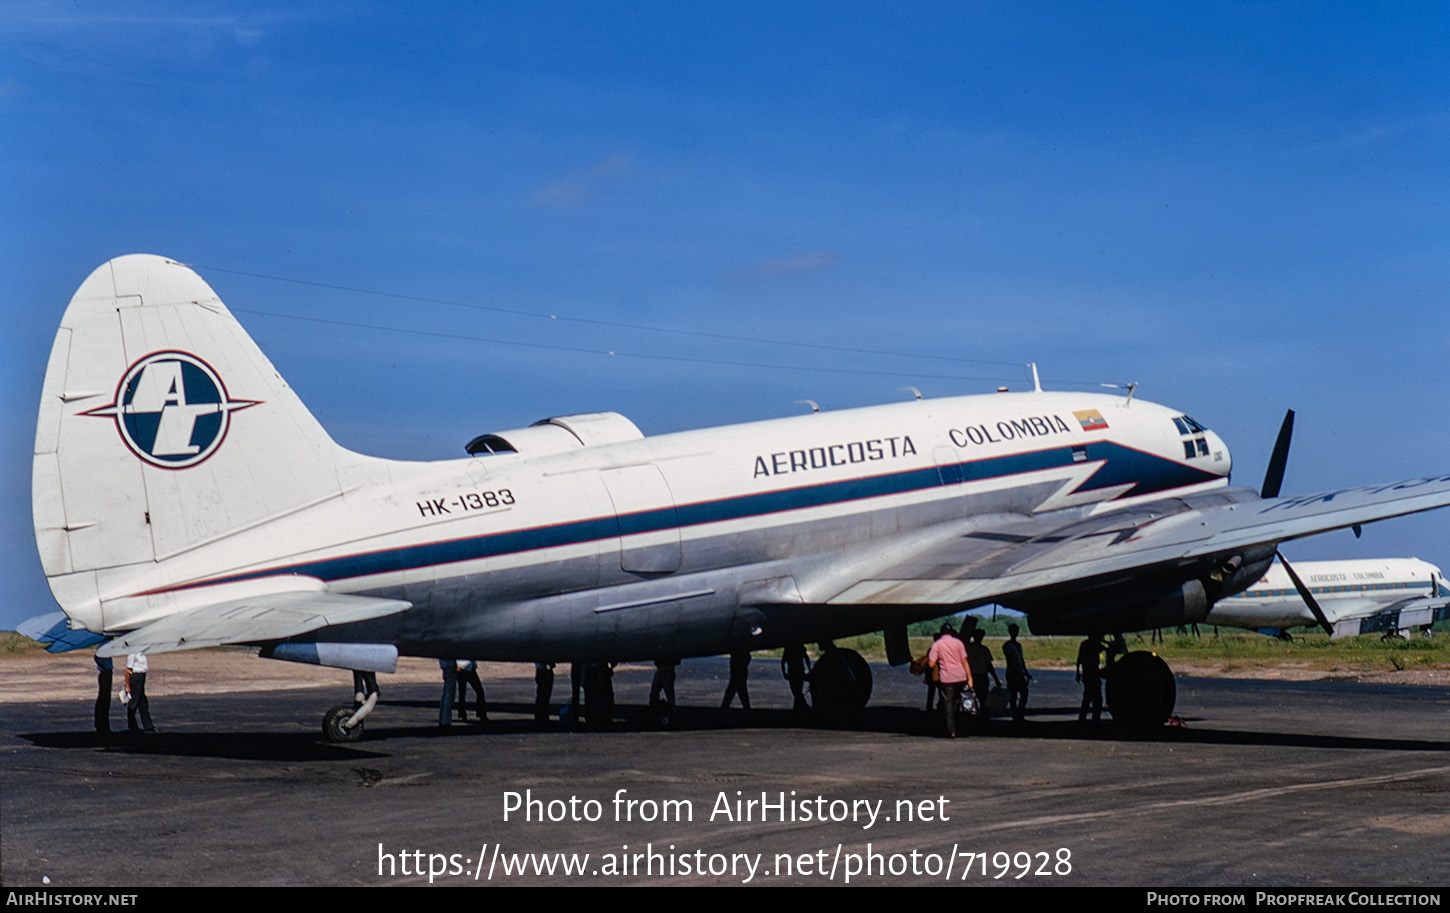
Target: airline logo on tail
{"x":172,"y":410}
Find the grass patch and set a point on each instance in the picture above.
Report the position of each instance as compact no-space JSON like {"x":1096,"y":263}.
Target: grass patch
{"x":13,"y":644}
{"x":1229,"y":650}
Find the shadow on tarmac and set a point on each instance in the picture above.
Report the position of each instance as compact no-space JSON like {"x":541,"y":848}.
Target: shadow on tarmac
{"x":240,"y":746}
{"x":293,"y":747}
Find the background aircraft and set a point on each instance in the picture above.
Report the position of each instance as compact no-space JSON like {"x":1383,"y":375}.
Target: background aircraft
{"x":1361,"y":596}
{"x":184,"y":497}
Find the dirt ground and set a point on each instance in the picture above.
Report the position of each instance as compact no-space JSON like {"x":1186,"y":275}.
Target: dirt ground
{"x":1292,"y":672}
{"x":42,"y":676}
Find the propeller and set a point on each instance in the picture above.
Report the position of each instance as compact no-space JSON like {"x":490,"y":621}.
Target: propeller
{"x":1274,"y":477}
{"x":1273,"y":481}
{"x":1306,"y":595}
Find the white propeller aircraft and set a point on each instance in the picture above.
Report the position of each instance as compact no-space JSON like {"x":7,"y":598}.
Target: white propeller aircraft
{"x":1390,"y":596}
{"x":184,"y":497}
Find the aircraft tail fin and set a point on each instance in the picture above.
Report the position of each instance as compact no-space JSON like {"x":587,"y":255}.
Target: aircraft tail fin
{"x":162,"y":427}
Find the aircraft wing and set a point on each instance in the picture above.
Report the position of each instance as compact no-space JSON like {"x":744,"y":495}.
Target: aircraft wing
{"x":1412,"y":613}
{"x":251,"y":619}
{"x":1022,"y":554}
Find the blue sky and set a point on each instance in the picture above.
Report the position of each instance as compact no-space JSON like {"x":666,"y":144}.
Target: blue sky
{"x":1242,"y":207}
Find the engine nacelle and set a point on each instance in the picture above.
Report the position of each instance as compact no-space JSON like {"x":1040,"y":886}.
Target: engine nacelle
{"x":1184,"y":604}
{"x":1240,"y":573}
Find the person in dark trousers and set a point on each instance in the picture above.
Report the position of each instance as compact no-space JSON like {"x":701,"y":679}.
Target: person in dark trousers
{"x":450,"y":685}
{"x":543,"y":690}
{"x":979,"y":657}
{"x":576,"y":682}
{"x":739,"y":670}
{"x":928,"y":675}
{"x":599,"y":694}
{"x":662,"y":688}
{"x":795,"y":667}
{"x":138,"y":706}
{"x":663,"y":683}
{"x":1090,"y":674}
{"x":364,"y":685}
{"x":1017,"y":674}
{"x":104,"y":673}
{"x":468,"y":677}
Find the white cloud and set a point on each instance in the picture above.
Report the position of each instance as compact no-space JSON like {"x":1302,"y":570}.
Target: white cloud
{"x":578,"y":186}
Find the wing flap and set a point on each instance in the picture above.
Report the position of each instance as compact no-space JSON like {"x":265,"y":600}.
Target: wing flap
{"x":251,"y":619}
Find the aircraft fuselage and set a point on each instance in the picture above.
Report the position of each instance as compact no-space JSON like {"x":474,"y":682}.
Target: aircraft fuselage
{"x":679,"y":544}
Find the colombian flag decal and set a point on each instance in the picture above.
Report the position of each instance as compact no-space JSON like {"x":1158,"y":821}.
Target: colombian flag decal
{"x":1092,"y":420}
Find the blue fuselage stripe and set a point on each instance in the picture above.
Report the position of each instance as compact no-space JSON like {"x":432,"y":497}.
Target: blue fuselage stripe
{"x":1121,"y":466}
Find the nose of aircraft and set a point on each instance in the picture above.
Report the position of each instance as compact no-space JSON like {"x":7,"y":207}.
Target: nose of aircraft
{"x":1220,"y":461}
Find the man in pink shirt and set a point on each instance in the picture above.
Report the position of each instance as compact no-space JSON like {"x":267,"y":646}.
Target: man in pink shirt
{"x":948,"y":657}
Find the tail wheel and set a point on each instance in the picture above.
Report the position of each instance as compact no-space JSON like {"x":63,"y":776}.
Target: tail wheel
{"x":332,"y":724}
{"x":840,"y":683}
{"x":1141,"y":691}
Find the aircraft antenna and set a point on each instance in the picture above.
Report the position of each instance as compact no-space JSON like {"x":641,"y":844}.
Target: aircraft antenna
{"x":912,"y":390}
{"x":809,"y":402}
{"x":1130,"y":387}
{"x":1036,"y":381}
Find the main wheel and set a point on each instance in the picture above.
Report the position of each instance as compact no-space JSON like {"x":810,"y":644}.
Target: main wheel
{"x":332,"y":728}
{"x":840,"y":684}
{"x":1141,"y":691}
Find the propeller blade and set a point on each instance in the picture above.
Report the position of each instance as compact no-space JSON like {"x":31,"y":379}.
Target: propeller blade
{"x":1274,"y":477}
{"x":1305,"y":594}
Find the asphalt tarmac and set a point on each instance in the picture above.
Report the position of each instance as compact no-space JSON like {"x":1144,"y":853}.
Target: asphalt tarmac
{"x":1269,"y":784}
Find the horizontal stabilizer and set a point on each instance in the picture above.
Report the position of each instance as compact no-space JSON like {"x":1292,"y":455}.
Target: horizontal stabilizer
{"x":249,"y":620}
{"x":55,"y":632}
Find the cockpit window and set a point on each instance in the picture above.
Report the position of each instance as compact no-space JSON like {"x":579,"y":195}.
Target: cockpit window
{"x":1194,"y":443}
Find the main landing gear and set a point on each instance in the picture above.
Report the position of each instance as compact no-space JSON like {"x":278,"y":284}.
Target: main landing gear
{"x":1141,"y":691}
{"x":344,"y":723}
{"x":840,"y":684}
